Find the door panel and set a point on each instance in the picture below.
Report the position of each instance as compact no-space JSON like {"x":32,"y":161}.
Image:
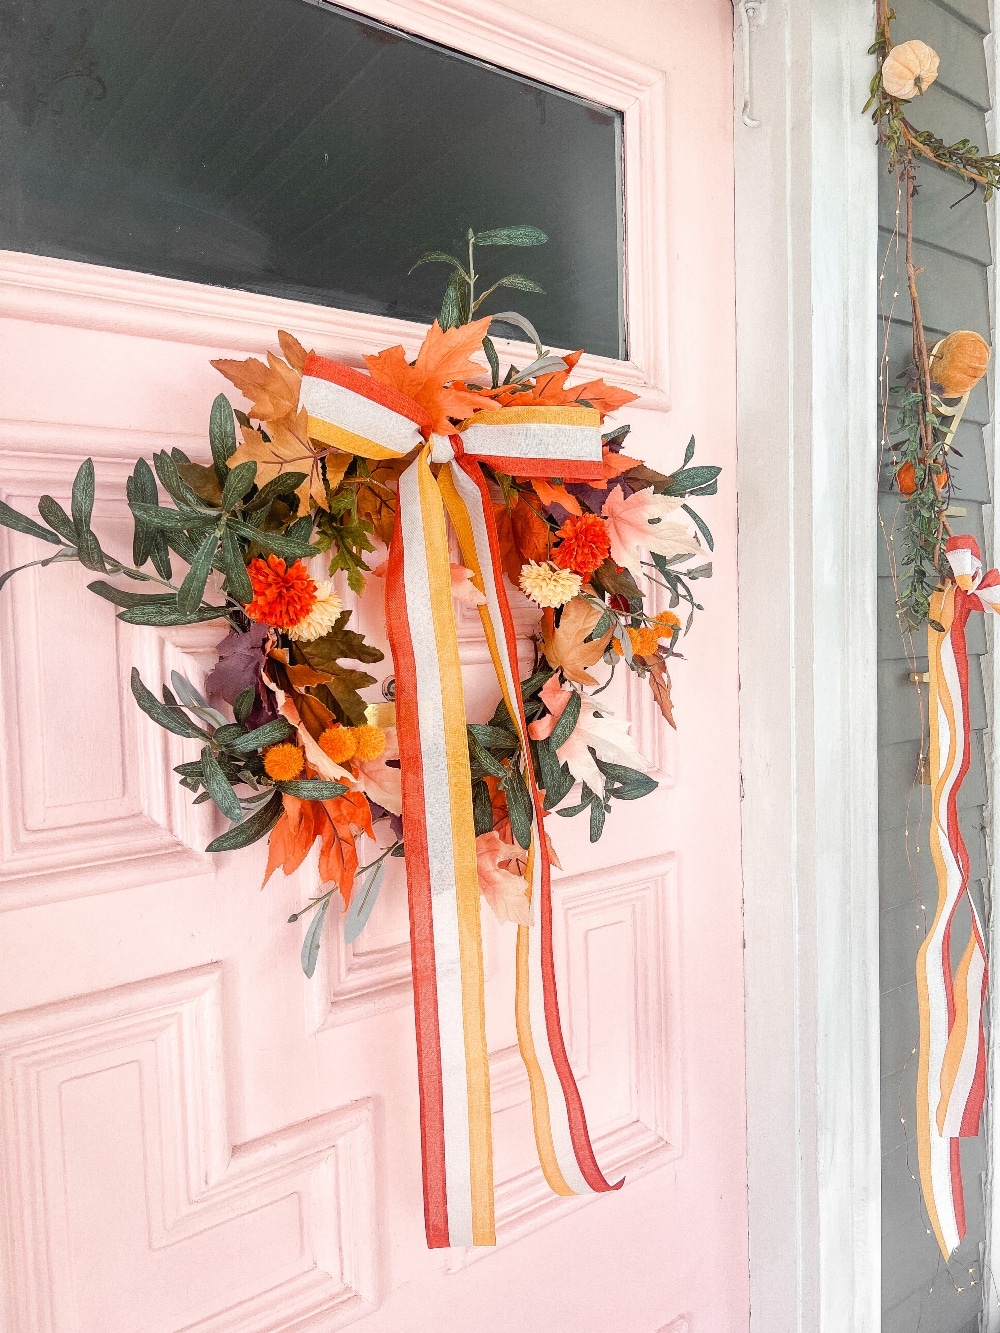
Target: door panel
{"x":195,"y":1136}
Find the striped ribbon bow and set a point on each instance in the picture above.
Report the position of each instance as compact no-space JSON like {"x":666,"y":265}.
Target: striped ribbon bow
{"x":951,"y":1068}
{"x":351,"y":411}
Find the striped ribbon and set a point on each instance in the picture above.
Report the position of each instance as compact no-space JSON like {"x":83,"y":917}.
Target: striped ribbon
{"x":951,"y":1066}
{"x":348,"y":410}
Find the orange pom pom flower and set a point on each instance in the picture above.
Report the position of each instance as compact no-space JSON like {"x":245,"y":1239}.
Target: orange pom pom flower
{"x":646,"y":639}
{"x":283,"y":594}
{"x":668,"y":622}
{"x":584,"y":544}
{"x":370,"y":743}
{"x":339,"y":743}
{"x":284,"y":762}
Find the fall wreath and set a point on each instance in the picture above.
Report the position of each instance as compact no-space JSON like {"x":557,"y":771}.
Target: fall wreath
{"x":291,"y":749}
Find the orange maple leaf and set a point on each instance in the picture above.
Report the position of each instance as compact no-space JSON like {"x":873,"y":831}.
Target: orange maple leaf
{"x":443,"y":357}
{"x":295,"y":353}
{"x":529,"y":531}
{"x":510,"y":557}
{"x":615,"y":464}
{"x":291,"y":838}
{"x":338,"y":856}
{"x":336,"y":823}
{"x":555,"y":493}
{"x":273,"y":389}
{"x":550,"y":391}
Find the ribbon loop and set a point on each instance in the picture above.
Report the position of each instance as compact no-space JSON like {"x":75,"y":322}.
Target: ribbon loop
{"x":350,"y":411}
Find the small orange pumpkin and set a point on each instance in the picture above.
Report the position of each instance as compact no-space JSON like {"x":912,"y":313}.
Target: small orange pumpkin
{"x":909,"y":69}
{"x":959,"y":362}
{"x":906,"y":480}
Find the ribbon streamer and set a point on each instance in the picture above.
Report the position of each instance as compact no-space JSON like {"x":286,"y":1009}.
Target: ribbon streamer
{"x":350,"y":411}
{"x":951,"y":1067}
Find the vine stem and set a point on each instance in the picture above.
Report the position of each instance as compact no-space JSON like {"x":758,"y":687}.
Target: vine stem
{"x":914,"y":142}
{"x":919,"y":341}
{"x":920,"y":357}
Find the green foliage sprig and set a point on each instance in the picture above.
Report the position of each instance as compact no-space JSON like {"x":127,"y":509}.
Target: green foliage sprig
{"x":923,"y":527}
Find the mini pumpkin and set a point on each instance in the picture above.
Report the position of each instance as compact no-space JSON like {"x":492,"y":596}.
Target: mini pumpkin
{"x":906,"y":479}
{"x":959,"y":362}
{"x":909,"y":69}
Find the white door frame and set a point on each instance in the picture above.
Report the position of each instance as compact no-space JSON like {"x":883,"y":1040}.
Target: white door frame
{"x":806,"y":218}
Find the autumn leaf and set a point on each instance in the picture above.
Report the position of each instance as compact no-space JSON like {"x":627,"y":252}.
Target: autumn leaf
{"x":659,"y":683}
{"x":336,"y":823}
{"x":376,"y":494}
{"x":288,"y":450}
{"x":614,"y":465}
{"x":309,"y":723}
{"x":550,"y":390}
{"x":642,"y":522}
{"x":498,"y":800}
{"x":530,"y":533}
{"x":443,"y":357}
{"x":565,"y":649}
{"x":510,"y":557}
{"x":463,"y":589}
{"x":327,"y":653}
{"x":343,"y":819}
{"x":292,"y":837}
{"x":555,"y":699}
{"x":204,"y":481}
{"x":295,"y":353}
{"x":522,"y":535}
{"x":502,"y":889}
{"x":240,"y":662}
{"x":273,"y":390}
{"x":596,"y":729}
{"x":555,"y":493}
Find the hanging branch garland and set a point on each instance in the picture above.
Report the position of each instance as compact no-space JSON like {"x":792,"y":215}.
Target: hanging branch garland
{"x":952,"y":368}
{"x":944,"y":582}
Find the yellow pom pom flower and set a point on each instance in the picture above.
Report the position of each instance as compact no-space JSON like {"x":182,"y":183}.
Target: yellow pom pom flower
{"x":339,"y":743}
{"x":284,"y":762}
{"x":548,"y":586}
{"x":370,"y":743}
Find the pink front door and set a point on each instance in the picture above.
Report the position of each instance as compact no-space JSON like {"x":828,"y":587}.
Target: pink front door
{"x":194,"y":1136}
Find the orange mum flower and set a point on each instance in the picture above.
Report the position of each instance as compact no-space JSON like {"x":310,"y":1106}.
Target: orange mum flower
{"x":584,"y":544}
{"x":339,"y":743}
{"x":283,"y":594}
{"x":283,"y":762}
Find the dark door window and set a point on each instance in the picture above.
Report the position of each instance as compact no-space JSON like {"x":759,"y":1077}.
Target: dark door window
{"x":295,"y":149}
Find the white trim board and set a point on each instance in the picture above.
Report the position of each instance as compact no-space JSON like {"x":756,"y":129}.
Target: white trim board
{"x":806,"y":218}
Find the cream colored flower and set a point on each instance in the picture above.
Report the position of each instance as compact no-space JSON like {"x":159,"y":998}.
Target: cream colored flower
{"x":548,"y":586}
{"x":321,"y":618}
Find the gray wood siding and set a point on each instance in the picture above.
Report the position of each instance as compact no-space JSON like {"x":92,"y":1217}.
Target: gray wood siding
{"x":954,"y":244}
